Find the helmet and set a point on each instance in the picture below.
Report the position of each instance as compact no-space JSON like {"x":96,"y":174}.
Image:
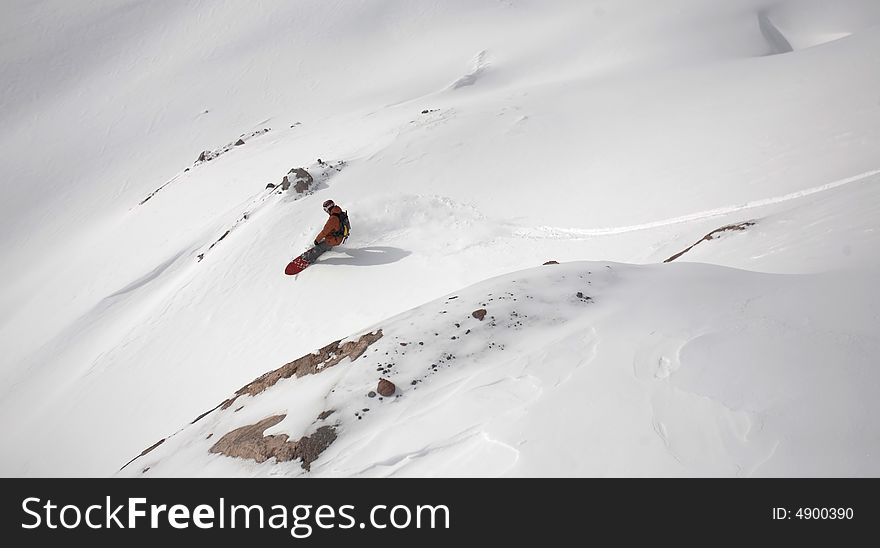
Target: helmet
{"x":328,"y":205}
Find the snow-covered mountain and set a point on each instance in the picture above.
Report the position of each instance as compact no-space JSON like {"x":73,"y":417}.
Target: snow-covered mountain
{"x":704,"y":173}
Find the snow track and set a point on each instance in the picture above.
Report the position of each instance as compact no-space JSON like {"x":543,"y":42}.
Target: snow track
{"x":552,"y":233}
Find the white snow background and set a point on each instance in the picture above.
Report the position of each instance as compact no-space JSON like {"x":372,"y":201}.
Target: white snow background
{"x":471,"y":141}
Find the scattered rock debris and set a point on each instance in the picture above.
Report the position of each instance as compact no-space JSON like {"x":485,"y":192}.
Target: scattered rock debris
{"x":208,"y":155}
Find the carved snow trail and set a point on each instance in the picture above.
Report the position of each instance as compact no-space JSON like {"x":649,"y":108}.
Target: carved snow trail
{"x":551,"y":232}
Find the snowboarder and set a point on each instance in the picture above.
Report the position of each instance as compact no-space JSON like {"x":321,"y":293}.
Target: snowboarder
{"x":335,"y":232}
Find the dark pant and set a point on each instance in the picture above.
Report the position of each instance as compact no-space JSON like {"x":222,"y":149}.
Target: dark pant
{"x":312,"y":255}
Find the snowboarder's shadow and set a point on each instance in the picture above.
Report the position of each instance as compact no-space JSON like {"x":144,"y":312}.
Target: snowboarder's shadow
{"x":366,"y":256}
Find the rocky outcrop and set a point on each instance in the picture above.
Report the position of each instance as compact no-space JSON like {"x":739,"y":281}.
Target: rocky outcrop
{"x":248,"y":442}
{"x":310,"y":448}
{"x":300,"y":179}
{"x":310,"y":364}
{"x":712,"y":235}
{"x":145,"y":451}
{"x":479,"y":314}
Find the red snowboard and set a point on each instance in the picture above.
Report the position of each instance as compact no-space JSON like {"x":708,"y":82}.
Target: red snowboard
{"x":296,"y":266}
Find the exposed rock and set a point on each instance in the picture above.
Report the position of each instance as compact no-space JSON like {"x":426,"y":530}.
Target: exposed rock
{"x":248,"y":442}
{"x":311,"y":447}
{"x":324,"y":358}
{"x":325,"y":414}
{"x":145,"y":451}
{"x":550,"y":262}
{"x":270,"y":185}
{"x":479,"y":314}
{"x":302,"y":179}
{"x":386,"y":388}
{"x":712,"y":235}
{"x":208,"y":155}
{"x":310,"y":364}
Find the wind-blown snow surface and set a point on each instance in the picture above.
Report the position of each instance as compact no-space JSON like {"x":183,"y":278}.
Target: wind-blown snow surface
{"x":479,"y":138}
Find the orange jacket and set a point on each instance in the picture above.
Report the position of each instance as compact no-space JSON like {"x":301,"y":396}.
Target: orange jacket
{"x":332,"y":225}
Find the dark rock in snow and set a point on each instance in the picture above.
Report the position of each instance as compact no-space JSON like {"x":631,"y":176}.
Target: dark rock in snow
{"x":386,"y":387}
{"x":239,"y":142}
{"x":712,"y":235}
{"x":300,"y":179}
{"x":479,"y":314}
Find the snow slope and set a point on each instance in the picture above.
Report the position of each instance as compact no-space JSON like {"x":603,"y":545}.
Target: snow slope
{"x":477,"y":139}
{"x":586,"y":369}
